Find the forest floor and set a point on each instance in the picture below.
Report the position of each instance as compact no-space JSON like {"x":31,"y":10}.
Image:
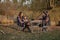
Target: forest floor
{"x":14,"y":33}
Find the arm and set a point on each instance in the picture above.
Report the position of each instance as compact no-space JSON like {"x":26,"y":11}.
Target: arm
{"x":20,"y":19}
{"x":47,"y":19}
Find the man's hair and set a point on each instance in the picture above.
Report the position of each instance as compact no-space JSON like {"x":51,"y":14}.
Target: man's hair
{"x":45,"y":12}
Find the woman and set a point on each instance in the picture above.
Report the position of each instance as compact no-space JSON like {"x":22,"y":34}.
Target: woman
{"x":20,"y":19}
{"x":23,"y":21}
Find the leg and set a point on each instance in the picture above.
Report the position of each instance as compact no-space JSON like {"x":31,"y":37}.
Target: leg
{"x":28,"y":29}
{"x":23,"y":28}
{"x":43,"y":26}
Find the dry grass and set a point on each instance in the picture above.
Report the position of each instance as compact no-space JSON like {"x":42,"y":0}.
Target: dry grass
{"x":13,"y":34}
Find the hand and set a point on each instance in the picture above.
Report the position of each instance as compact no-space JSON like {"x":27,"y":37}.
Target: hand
{"x":47,"y":19}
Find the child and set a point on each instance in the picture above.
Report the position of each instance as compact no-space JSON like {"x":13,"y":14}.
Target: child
{"x":27,"y":24}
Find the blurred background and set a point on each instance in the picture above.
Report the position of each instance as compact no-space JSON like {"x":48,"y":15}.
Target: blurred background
{"x":9,"y":9}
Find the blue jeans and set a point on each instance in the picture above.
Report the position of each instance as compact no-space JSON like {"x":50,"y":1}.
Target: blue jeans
{"x":44,"y":25}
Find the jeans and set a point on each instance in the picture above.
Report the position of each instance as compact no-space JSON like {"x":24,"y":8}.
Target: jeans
{"x":44,"y":25}
{"x":26,"y":26}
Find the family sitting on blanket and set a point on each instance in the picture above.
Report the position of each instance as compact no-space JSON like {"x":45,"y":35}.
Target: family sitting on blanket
{"x":24,"y":22}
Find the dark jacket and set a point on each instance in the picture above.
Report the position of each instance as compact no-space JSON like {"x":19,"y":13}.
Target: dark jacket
{"x":18,"y":21}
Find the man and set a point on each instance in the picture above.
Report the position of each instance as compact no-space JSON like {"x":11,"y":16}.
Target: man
{"x":45,"y":20}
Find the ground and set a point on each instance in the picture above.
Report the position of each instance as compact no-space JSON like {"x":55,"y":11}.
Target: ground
{"x":14,"y":33}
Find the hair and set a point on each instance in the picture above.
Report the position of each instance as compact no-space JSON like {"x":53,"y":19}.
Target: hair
{"x":44,"y":12}
{"x":20,"y":13}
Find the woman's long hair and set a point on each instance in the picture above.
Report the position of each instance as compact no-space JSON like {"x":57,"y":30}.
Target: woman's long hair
{"x":20,"y":14}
